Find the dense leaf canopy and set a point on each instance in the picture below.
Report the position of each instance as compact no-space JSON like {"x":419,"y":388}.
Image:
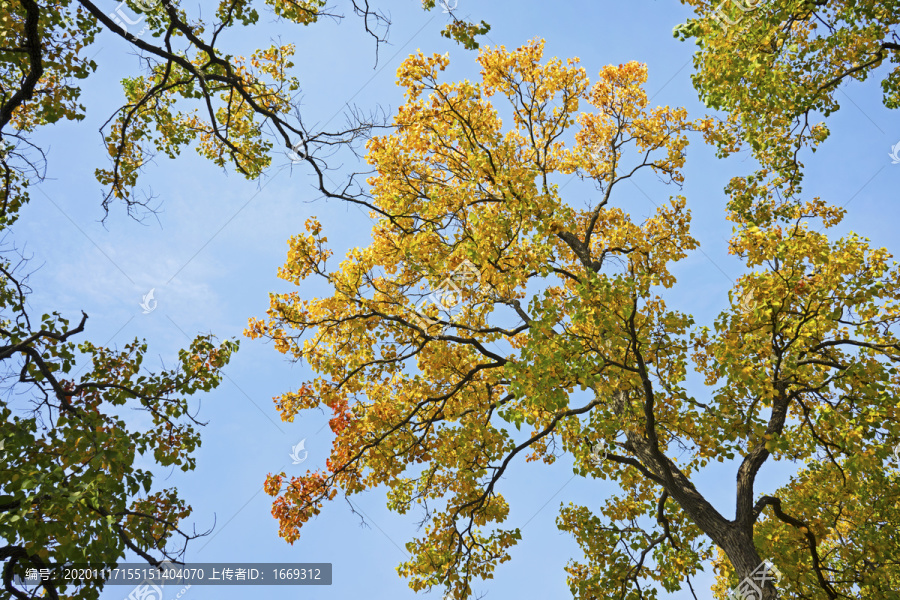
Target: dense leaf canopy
{"x":70,"y":490}
{"x":560,"y":328}
{"x":776,"y":67}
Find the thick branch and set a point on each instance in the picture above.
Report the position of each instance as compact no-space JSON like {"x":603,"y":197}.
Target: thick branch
{"x":36,"y":65}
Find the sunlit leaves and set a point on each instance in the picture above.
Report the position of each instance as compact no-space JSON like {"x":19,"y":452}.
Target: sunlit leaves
{"x":560,"y":298}
{"x":72,"y":490}
{"x":776,"y":67}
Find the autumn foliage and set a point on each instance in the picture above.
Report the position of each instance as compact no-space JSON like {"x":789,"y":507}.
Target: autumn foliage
{"x":566,"y":334}
{"x":776,"y":68}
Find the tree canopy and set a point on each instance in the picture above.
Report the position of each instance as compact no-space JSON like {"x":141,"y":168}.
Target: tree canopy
{"x":494,"y":318}
{"x":776,"y":67}
{"x":70,"y":490}
{"x":556,"y":323}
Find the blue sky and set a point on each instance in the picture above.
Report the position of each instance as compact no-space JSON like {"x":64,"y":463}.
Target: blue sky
{"x":212,"y":255}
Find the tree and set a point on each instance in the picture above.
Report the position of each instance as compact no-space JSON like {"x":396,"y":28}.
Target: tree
{"x":71,"y":492}
{"x":776,"y":66}
{"x":69,"y":488}
{"x":553,"y":319}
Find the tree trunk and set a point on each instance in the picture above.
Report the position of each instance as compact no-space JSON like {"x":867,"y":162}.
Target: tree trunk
{"x":756,"y":578}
